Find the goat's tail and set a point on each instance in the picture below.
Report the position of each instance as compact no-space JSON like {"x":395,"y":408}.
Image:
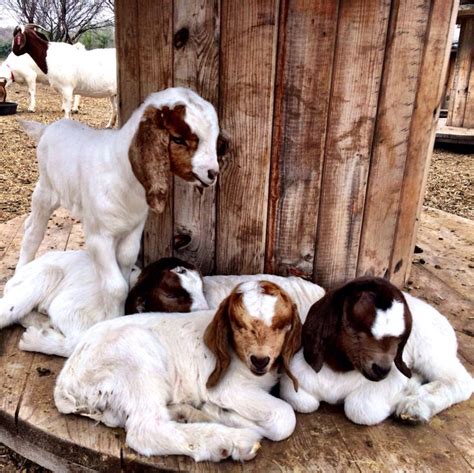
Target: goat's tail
{"x":33,"y":129}
{"x":25,"y":291}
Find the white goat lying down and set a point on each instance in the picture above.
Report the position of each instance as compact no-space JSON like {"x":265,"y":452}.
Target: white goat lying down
{"x":144,"y":371}
{"x":64,"y":286}
{"x":23,"y":70}
{"x":70,"y":69}
{"x":351,"y":339}
{"x":109,"y":178}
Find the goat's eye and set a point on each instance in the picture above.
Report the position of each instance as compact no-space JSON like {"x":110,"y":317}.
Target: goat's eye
{"x":170,"y":296}
{"x":178,"y":140}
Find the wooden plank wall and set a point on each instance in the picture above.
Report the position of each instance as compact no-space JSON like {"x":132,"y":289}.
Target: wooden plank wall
{"x":461,"y":106}
{"x":330,"y":107}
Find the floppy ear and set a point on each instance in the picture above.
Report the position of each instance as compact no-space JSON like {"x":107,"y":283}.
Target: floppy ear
{"x":223,"y":144}
{"x":292,"y":345}
{"x":148,"y":155}
{"x":319,"y":329}
{"x":399,"y":363}
{"x":216,"y":338}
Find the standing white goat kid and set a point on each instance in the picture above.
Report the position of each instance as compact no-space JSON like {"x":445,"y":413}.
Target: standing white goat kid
{"x":109,"y":178}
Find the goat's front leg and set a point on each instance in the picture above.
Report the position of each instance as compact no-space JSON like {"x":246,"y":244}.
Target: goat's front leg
{"x":31,"y":81}
{"x":273,"y":418}
{"x":113,"y":116}
{"x":127,"y":251}
{"x":42,"y":206}
{"x":114,"y":286}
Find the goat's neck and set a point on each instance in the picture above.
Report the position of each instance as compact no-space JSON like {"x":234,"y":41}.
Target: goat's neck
{"x":37,"y":48}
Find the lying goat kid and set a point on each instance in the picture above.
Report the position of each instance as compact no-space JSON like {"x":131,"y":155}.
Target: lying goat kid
{"x":147,"y":294}
{"x":63,"y":286}
{"x":169,"y":282}
{"x":109,"y":178}
{"x":353,"y":337}
{"x":133,"y":372}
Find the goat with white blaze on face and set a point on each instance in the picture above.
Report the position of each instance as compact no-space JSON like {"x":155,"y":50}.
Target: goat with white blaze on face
{"x":214,"y":369}
{"x":380,"y":352}
{"x":110,"y":178}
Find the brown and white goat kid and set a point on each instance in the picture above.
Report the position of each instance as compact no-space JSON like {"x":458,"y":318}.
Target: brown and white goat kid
{"x":110,"y":178}
{"x":64,"y":287}
{"x":169,"y":282}
{"x":138,"y":372}
{"x":361,"y":343}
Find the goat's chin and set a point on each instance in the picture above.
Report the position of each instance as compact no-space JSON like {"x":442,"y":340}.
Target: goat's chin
{"x":372,"y":377}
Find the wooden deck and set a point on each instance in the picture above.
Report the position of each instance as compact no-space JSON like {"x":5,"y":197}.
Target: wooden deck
{"x":323,"y":441}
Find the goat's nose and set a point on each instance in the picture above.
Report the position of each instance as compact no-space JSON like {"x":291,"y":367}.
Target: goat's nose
{"x":380,"y":371}
{"x":211,"y":174}
{"x":260,"y":363}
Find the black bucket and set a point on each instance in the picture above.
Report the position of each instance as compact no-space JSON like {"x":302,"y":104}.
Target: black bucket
{"x":8,"y":108}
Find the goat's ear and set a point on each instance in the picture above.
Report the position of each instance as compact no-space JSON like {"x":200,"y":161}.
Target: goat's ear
{"x":292,"y":344}
{"x":223,"y":144}
{"x":148,"y":155}
{"x":399,"y":363}
{"x":319,"y":329}
{"x":216,"y":338}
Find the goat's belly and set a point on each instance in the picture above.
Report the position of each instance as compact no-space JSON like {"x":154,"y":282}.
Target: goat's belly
{"x":92,"y":87}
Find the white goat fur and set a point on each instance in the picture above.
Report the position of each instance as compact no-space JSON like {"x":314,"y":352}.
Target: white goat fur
{"x":23,"y":70}
{"x":140,"y":372}
{"x":73,"y":70}
{"x":431,"y":353}
{"x":62,"y":285}
{"x":88,"y":172}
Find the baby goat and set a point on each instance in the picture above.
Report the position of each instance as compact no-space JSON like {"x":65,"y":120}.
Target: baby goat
{"x":138,"y":372}
{"x":63,"y":285}
{"x":361,"y":343}
{"x":168,"y":285}
{"x":147,"y":294}
{"x":109,"y":178}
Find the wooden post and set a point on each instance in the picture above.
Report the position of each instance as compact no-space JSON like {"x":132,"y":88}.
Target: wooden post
{"x":331,"y":108}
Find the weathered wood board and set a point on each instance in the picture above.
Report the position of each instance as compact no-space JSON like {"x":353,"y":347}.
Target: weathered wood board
{"x":331,"y":110}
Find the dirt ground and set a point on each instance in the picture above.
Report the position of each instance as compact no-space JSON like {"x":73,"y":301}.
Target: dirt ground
{"x":18,"y":173}
{"x":450,"y":182}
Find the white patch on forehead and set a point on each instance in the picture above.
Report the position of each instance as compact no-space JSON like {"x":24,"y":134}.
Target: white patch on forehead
{"x":191,"y":281}
{"x":390,"y":322}
{"x":257,"y":304}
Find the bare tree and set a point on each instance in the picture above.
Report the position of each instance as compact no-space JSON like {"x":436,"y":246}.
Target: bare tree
{"x":64,"y":20}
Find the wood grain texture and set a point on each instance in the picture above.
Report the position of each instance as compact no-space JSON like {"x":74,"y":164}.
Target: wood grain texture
{"x":462,"y":75}
{"x":247,"y":71}
{"x":422,"y":134}
{"x":468,"y":121}
{"x":358,"y":64}
{"x":155,"y":41}
{"x":300,"y":119}
{"x":403,"y":58}
{"x":196,"y":65}
{"x":128,"y":64}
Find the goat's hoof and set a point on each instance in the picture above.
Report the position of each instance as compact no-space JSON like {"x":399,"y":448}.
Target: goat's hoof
{"x":413,"y":411}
